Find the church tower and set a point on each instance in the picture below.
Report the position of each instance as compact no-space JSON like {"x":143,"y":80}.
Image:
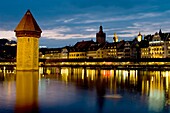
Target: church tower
{"x":100,"y":36}
{"x":139,"y":38}
{"x":115,"y":38}
{"x":160,"y":32}
{"x":28,"y":33}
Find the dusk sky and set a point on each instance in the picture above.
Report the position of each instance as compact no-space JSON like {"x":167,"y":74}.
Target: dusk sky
{"x":64,"y":22}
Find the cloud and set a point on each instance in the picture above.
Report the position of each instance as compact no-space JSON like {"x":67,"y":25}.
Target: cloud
{"x":69,"y":20}
{"x":119,"y":18}
{"x":148,"y":27}
{"x":145,"y":28}
{"x":7,"y":34}
{"x":90,"y":29}
{"x":61,"y":34}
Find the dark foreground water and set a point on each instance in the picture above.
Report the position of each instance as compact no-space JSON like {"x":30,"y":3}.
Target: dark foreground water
{"x":78,"y":90}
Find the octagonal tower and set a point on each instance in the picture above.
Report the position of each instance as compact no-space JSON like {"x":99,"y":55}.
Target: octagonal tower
{"x":28,"y":33}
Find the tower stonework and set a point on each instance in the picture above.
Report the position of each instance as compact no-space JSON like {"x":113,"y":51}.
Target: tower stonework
{"x":28,"y":33}
{"x":100,"y":36}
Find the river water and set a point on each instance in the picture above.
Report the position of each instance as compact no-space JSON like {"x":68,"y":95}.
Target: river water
{"x":84,"y":90}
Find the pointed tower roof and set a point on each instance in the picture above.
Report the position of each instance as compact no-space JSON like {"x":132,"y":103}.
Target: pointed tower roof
{"x":115,"y":35}
{"x":28,"y":26}
{"x":160,"y":31}
{"x":100,"y":29}
{"x":139,"y":34}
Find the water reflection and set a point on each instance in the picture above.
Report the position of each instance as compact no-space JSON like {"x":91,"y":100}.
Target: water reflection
{"x":102,"y":90}
{"x":154,"y":84}
{"x":26,"y":92}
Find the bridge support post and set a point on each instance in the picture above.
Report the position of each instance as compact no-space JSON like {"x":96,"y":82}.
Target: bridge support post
{"x":59,"y":70}
{"x":4,"y":69}
{"x":72,"y":71}
{"x":98,"y":71}
{"x":85,"y":71}
{"x":114,"y":71}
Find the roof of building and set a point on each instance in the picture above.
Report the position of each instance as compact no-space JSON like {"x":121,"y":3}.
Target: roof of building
{"x":53,"y":50}
{"x":28,"y":23}
{"x":83,"y":44}
{"x":129,"y":42}
{"x":110,"y":45}
{"x":163,"y":36}
{"x":94,"y":47}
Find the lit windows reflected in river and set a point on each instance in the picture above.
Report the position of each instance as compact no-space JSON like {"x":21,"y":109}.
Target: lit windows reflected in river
{"x":84,"y":90}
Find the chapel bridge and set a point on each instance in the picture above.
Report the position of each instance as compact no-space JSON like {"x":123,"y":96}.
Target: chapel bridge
{"x":101,"y":63}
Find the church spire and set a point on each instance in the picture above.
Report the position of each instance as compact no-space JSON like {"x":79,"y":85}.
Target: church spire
{"x":160,"y":32}
{"x":139,"y":34}
{"x":101,"y":29}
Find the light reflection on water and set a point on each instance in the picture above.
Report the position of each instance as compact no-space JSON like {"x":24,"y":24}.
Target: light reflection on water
{"x":26,"y":92}
{"x":84,"y":90}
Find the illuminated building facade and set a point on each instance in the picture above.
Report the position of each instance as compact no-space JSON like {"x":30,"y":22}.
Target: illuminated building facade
{"x":167,"y":45}
{"x":135,"y":49}
{"x":65,"y":53}
{"x":92,"y":51}
{"x":159,"y":46}
{"x":120,"y":49}
{"x":79,"y":50}
{"x":100,"y":53}
{"x":53,"y":53}
{"x":28,"y":33}
{"x":144,"y":48}
{"x":152,"y":46}
{"x":110,"y":50}
{"x":77,"y":55}
{"x":156,"y":47}
{"x":127,"y":49}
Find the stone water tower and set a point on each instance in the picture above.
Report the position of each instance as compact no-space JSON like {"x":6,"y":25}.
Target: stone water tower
{"x":28,"y":33}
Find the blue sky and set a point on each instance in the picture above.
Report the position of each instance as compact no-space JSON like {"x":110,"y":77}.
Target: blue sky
{"x":64,"y":22}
